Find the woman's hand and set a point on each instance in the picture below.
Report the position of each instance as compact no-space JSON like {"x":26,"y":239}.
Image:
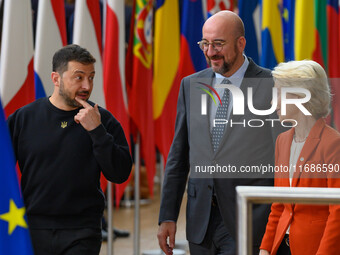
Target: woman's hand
{"x":264,"y":252}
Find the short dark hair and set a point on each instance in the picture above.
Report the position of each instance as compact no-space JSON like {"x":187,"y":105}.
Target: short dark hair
{"x":71,"y":52}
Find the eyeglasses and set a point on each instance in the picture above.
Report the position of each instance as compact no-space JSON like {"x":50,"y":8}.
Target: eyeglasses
{"x":217,"y":46}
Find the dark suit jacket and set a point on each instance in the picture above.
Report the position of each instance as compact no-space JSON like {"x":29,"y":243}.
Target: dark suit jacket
{"x":240,"y":146}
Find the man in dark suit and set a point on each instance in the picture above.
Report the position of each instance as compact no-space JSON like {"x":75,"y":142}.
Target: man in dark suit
{"x":246,"y":140}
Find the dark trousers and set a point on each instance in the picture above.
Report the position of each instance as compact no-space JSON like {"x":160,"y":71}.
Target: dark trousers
{"x":284,"y":248}
{"x":217,"y":240}
{"x":85,"y":241}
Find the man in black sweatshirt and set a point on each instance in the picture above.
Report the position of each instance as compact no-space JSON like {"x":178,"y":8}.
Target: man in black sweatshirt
{"x":62,"y":144}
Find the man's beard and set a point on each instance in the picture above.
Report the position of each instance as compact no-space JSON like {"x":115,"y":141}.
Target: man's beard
{"x":67,"y":97}
{"x":226,"y":67}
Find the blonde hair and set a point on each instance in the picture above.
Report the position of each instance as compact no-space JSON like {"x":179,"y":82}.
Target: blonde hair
{"x":310,"y":75}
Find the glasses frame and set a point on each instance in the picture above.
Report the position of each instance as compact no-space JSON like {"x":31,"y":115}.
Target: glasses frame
{"x":212,"y":44}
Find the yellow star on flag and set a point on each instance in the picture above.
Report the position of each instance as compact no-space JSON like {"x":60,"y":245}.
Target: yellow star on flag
{"x":285,"y":14}
{"x":15,"y":217}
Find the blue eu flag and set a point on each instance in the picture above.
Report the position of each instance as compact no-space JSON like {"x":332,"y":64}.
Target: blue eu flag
{"x":14,"y":233}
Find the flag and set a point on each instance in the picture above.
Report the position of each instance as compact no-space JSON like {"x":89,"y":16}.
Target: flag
{"x":50,"y":37}
{"x":14,"y":233}
{"x":272,"y":37}
{"x":191,"y":57}
{"x":139,"y":79}
{"x":87,"y":33}
{"x":334,"y":56}
{"x":337,"y":92}
{"x":170,"y":67}
{"x":333,"y":38}
{"x":320,"y":52}
{"x":311,"y":31}
{"x":288,"y":14}
{"x":249,"y":12}
{"x":114,"y":63}
{"x":304,"y":43}
{"x":214,"y":6}
{"x":166,"y":80}
{"x":16,"y":63}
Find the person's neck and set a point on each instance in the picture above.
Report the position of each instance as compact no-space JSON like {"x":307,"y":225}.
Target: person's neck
{"x":303,"y":128}
{"x":60,"y":104}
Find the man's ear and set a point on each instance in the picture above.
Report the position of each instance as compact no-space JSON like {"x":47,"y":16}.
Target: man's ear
{"x":55,"y":76}
{"x":241,"y":43}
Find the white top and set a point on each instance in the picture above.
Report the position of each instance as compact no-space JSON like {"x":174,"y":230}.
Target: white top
{"x":295,"y":150}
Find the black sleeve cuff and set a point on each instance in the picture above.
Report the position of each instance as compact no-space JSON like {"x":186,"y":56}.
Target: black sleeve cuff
{"x":98,"y":132}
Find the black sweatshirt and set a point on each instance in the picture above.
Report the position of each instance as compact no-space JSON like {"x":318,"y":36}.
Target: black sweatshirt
{"x":61,"y":164}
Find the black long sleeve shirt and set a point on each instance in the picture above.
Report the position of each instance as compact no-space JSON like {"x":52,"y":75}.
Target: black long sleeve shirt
{"x":61,"y":164}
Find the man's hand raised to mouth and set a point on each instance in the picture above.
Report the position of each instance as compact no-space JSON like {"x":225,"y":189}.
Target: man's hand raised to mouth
{"x":88,"y":117}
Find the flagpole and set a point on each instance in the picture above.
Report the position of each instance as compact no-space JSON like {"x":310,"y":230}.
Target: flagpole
{"x":161,"y":175}
{"x":137,"y":198}
{"x":110,"y":220}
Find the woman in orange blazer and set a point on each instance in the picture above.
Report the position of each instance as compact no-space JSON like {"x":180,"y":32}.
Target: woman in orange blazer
{"x":311,"y":152}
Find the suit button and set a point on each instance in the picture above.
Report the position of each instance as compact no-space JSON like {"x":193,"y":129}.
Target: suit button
{"x":291,"y":214}
{"x":209,"y":187}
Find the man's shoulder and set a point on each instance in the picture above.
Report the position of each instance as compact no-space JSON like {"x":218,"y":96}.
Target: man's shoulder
{"x":32,"y":106}
{"x":26,"y":111}
{"x":255,"y":70}
{"x":35,"y":103}
{"x":205,"y":73}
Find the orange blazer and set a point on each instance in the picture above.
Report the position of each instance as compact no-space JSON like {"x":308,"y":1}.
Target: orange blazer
{"x":314,"y":229}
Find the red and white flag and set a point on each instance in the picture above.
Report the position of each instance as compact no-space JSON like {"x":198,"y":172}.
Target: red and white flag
{"x":114,"y":72}
{"x":87,"y":34}
{"x":50,"y":37}
{"x":16,"y":63}
{"x":214,"y":6}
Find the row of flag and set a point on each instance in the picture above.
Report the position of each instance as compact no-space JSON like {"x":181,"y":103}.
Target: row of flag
{"x":284,"y":30}
{"x":276,"y":31}
{"x":162,"y":50}
{"x":140,"y":87}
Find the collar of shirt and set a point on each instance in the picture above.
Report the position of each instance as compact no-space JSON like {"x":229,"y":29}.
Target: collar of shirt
{"x":237,"y":77}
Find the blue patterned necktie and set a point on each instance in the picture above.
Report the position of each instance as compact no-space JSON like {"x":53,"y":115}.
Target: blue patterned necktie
{"x":221,"y":113}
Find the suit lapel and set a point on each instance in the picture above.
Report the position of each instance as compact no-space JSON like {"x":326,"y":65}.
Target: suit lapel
{"x":309,"y":147}
{"x":284,"y":156}
{"x":208,"y":78}
{"x":249,"y":81}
